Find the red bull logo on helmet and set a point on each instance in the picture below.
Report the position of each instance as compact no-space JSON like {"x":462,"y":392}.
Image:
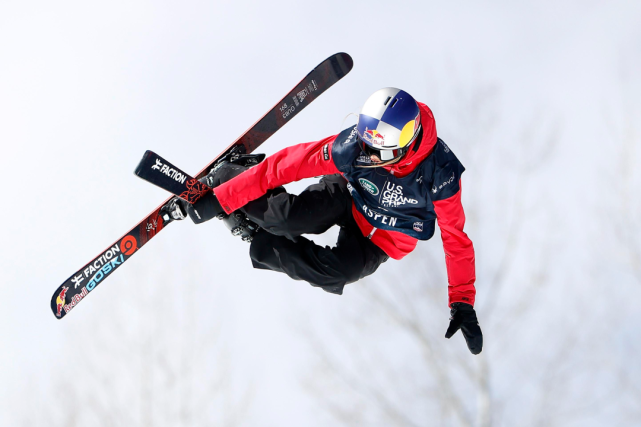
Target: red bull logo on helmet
{"x":409,"y":131}
{"x":374,"y":137}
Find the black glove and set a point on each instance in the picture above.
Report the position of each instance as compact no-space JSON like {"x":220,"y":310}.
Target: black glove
{"x":464,"y":318}
{"x":208,"y":206}
{"x":204,"y":209}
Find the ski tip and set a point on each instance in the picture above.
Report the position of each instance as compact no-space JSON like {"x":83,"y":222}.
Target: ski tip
{"x":347,"y":58}
{"x":343,"y":60}
{"x":58,"y":300}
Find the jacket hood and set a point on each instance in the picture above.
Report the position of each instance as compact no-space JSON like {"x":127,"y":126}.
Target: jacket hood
{"x":416,"y":155}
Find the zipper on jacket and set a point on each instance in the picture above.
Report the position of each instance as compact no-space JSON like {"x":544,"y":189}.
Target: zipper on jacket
{"x":369,"y":236}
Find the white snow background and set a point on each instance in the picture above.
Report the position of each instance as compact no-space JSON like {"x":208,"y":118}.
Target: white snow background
{"x":540,"y":101}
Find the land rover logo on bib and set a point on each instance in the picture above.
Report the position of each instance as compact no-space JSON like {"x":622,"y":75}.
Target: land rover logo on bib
{"x":368,"y":186}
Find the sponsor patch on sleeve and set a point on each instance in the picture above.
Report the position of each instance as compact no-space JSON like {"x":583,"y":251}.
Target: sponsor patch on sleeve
{"x":326,"y":152}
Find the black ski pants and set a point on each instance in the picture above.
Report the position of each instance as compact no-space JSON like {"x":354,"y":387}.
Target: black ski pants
{"x":284,"y":217}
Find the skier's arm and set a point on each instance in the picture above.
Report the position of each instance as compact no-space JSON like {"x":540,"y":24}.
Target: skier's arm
{"x":288,"y":165}
{"x":459,"y":251}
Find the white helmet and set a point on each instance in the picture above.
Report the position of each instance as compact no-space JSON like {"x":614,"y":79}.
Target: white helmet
{"x":388,"y":124}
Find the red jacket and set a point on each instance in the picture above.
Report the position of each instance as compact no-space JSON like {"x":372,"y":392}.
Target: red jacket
{"x":306,"y":161}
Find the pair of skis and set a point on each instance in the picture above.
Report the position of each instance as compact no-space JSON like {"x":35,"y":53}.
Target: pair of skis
{"x":158,"y":171}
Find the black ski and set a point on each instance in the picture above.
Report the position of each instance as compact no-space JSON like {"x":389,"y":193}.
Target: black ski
{"x":83,"y":281}
{"x":153,"y":168}
{"x":158,"y":171}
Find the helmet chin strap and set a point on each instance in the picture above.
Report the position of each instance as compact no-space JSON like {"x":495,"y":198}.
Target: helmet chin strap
{"x":418,"y":139}
{"x":378,"y":165}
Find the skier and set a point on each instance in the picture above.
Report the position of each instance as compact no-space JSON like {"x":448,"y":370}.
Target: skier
{"x":385,"y":182}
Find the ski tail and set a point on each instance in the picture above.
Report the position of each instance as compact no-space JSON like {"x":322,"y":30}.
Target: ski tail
{"x":158,"y":171}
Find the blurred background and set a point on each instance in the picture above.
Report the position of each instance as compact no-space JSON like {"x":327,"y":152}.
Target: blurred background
{"x":541,"y":101}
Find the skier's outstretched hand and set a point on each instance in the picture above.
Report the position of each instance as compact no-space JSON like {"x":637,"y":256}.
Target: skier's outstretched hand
{"x":463,"y":317}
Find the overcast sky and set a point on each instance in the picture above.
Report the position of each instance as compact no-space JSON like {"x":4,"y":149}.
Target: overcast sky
{"x":86,"y":88}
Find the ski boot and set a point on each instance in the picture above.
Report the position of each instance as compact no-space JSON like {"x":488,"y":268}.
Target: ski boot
{"x":225,"y":169}
{"x":173,"y":210}
{"x":239,"y":225}
{"x":229,"y":167}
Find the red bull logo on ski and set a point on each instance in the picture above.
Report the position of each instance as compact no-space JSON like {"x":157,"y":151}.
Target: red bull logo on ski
{"x":75,"y":300}
{"x":60,"y":301}
{"x":374,"y":137}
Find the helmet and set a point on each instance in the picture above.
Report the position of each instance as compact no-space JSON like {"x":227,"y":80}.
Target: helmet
{"x":388,"y":124}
